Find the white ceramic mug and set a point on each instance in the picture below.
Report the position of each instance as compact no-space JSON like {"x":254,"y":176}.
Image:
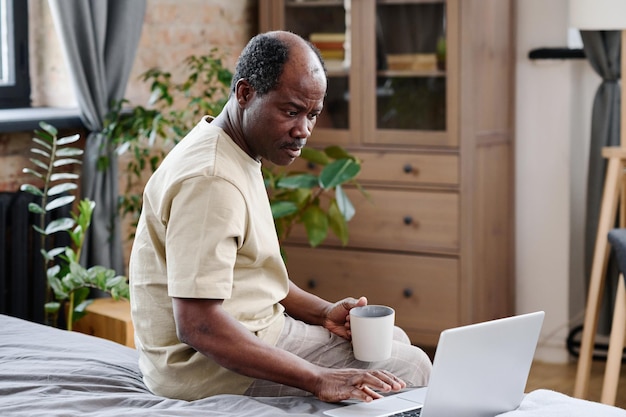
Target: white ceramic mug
{"x":372,"y":332}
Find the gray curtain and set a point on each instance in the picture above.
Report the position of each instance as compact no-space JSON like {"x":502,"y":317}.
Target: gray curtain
{"x":602,"y":49}
{"x":100,"y":39}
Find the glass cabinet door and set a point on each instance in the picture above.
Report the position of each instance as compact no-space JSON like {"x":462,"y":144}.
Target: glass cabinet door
{"x":326,"y":24}
{"x":407,"y":73}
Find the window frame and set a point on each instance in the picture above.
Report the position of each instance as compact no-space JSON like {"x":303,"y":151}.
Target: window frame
{"x":17,"y":94}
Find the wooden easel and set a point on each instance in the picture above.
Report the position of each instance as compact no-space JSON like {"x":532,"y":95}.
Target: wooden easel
{"x":612,"y":189}
{"x":613,"y":194}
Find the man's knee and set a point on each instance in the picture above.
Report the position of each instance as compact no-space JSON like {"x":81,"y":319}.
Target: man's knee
{"x":412,"y":365}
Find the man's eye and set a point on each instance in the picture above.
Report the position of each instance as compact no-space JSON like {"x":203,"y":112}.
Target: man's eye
{"x":292,"y":113}
{"x":313,"y":116}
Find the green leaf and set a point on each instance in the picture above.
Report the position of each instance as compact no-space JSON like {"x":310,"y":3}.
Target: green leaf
{"x":80,"y":298}
{"x":64,"y":152}
{"x":298,"y":181}
{"x":60,"y":202}
{"x":315,"y":156}
{"x":29,"y":188}
{"x":283,"y":209}
{"x":59,"y":225}
{"x":338,"y":172}
{"x":300,"y":196}
{"x":64,"y":176}
{"x":82,"y":307}
{"x":337,"y":223}
{"x":337,"y":152}
{"x":48,"y":128}
{"x":36,"y":208}
{"x":32,"y":172}
{"x":39,"y":163}
{"x":116,"y":281}
{"x":58,"y":288}
{"x":52,"y":307}
{"x":65,"y":161}
{"x":53,"y":271}
{"x":54,"y":252}
{"x":40,"y":152}
{"x":316,"y":225}
{"x":42,"y":143}
{"x":68,"y":139}
{"x":343,"y":202}
{"x":61,"y":188}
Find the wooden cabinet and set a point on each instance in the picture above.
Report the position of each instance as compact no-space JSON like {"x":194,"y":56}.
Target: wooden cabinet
{"x":422,"y":92}
{"x":108,"y":319}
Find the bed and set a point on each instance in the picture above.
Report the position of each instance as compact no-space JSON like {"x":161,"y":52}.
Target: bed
{"x":50,"y":372}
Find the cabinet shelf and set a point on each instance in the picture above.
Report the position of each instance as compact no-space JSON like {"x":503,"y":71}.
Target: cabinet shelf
{"x":313,"y":3}
{"x":411,"y":73}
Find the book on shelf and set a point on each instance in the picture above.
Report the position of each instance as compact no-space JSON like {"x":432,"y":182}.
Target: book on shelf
{"x":330,"y":45}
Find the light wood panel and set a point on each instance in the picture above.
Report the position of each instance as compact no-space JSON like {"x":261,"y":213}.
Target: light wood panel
{"x":422,"y":290}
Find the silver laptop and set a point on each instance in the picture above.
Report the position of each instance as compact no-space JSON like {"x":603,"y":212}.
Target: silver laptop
{"x":479,"y":370}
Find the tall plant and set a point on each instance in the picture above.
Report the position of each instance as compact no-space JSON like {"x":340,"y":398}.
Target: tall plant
{"x":67,"y":281}
{"x":147,"y":133}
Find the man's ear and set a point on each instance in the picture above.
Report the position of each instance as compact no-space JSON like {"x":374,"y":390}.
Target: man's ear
{"x":243,"y":92}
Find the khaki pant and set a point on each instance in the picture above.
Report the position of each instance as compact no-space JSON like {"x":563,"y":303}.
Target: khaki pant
{"x":321,"y":347}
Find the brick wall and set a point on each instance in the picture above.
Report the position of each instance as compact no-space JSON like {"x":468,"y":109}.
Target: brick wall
{"x":172,"y":30}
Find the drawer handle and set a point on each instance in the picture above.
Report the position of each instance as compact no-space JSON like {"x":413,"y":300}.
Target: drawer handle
{"x":408,"y":293}
{"x":311,"y":165}
{"x":312,"y":283}
{"x":408,"y":220}
{"x":408,"y":169}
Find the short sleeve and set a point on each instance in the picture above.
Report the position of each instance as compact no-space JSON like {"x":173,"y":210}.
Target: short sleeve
{"x":206,"y":225}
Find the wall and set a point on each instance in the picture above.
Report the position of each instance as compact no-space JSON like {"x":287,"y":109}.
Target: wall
{"x":174,"y":30}
{"x":553,"y":112}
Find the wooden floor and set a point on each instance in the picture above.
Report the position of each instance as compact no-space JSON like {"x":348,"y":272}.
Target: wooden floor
{"x":561,"y":378}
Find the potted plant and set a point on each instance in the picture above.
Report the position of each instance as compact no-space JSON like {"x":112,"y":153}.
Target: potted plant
{"x":147,"y":133}
{"x":68,"y":282}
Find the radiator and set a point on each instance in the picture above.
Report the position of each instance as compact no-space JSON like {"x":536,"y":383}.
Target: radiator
{"x":22,"y":279}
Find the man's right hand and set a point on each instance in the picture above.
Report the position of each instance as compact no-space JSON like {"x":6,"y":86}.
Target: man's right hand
{"x":360,"y":384}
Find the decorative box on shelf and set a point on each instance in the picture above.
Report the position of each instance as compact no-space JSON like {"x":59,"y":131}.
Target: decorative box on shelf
{"x":108,"y":319}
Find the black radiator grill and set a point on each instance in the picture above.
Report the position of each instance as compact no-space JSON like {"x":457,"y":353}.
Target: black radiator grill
{"x":22,"y":279}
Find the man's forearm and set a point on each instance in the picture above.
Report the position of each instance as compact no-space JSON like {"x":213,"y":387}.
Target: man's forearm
{"x":305,"y":306}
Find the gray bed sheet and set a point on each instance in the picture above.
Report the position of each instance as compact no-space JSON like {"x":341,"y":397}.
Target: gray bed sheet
{"x":50,"y":372}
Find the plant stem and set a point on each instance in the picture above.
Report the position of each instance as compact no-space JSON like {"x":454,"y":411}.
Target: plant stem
{"x":70,"y":312}
{"x":43,"y":238}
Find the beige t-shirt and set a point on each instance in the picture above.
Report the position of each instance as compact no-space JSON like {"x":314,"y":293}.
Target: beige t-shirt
{"x":206,"y":231}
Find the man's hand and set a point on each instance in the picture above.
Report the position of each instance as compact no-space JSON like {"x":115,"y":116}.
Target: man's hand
{"x":337,"y":318}
{"x":360,"y":384}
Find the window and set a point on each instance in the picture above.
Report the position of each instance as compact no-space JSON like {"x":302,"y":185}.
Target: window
{"x":14,"y":75}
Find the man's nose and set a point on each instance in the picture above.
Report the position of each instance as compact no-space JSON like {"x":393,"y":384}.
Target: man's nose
{"x":302,"y":128}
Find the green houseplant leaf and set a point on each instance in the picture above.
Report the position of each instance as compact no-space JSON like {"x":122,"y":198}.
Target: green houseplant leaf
{"x":298,"y":181}
{"x":338,"y":172}
{"x":316,"y":224}
{"x":337,"y":222}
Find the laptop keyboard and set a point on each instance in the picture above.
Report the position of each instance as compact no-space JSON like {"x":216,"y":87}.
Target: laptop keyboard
{"x":409,"y":413}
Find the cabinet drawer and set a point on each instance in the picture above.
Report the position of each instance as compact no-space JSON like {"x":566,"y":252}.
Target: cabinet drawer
{"x":409,"y":168}
{"x":424,"y":291}
{"x":407,"y":221}
{"x":400,"y":168}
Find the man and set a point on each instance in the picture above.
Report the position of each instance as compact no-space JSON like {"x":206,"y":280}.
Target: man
{"x":212,"y":304}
